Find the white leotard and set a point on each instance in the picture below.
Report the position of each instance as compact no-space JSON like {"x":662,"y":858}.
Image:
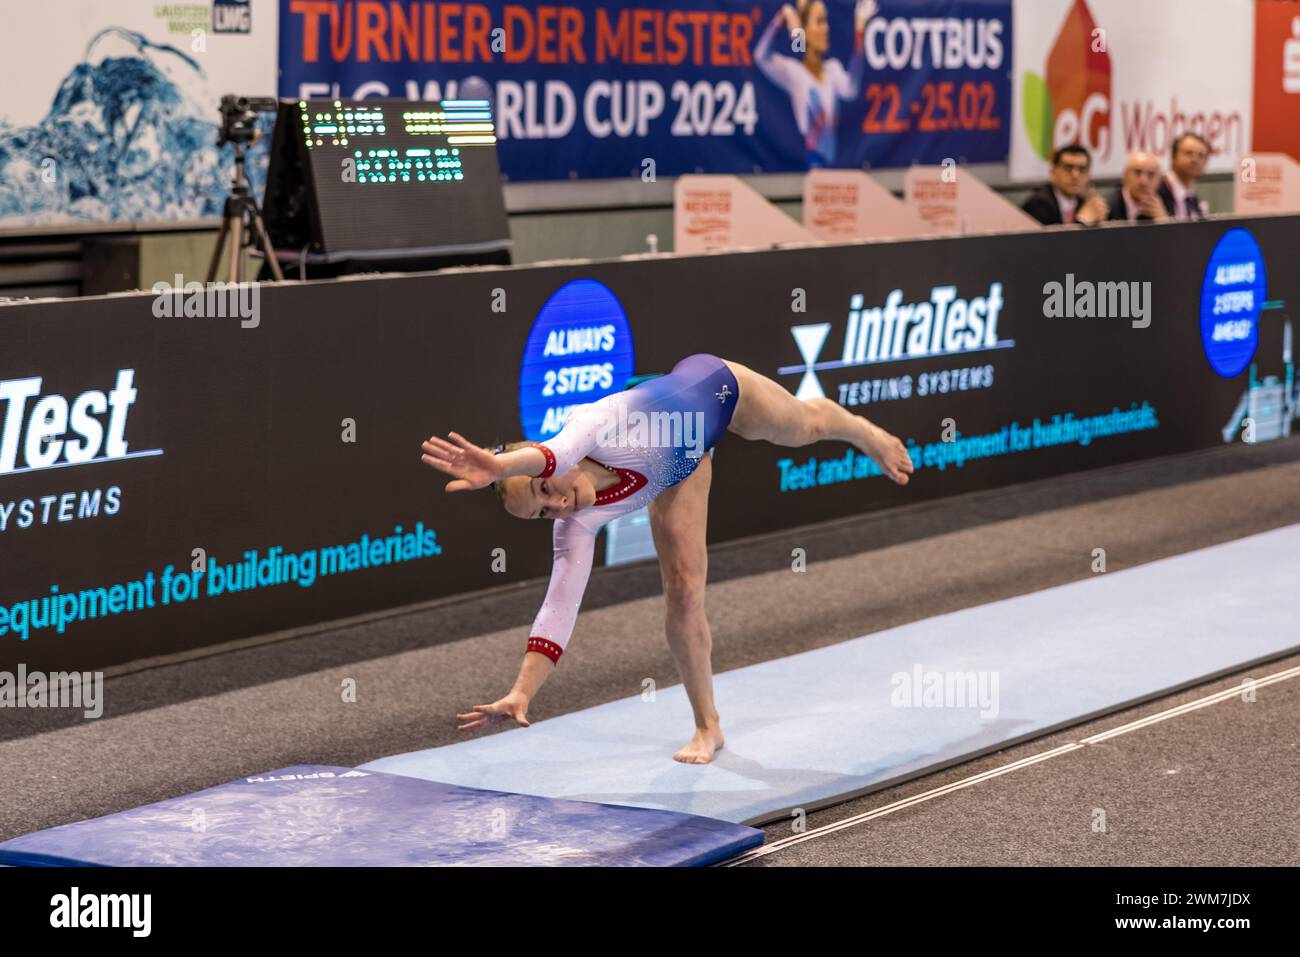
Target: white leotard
{"x":648,"y":461}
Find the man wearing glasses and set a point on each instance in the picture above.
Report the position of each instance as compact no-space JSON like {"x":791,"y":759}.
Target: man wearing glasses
{"x":1068,"y":197}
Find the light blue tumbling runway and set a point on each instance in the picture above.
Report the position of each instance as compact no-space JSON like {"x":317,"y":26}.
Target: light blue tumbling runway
{"x":807,"y":729}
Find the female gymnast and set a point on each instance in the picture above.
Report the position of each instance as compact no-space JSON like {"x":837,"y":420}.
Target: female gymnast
{"x":817,"y":83}
{"x":612,"y":457}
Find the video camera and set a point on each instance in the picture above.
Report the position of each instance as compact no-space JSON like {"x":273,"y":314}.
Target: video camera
{"x":239,"y":117}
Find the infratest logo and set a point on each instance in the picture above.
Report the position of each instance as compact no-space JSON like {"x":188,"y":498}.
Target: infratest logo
{"x":944,"y":324}
{"x":52,"y":431}
{"x":1072,"y":105}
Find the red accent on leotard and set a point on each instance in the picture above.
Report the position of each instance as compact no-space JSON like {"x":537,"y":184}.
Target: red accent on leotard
{"x":631,"y":482}
{"x":550,"y":460}
{"x":546,"y":647}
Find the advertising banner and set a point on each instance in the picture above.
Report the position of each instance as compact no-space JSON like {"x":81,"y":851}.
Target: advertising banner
{"x":1118,"y":76}
{"x":950,"y":200}
{"x":1277,"y":77}
{"x":1269,"y":183}
{"x":722,"y":212}
{"x":172,"y":478}
{"x":592,"y":89}
{"x":109,"y":108}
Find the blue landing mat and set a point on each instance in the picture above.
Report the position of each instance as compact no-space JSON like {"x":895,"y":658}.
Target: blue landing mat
{"x":823,"y":725}
{"x":313,"y":815}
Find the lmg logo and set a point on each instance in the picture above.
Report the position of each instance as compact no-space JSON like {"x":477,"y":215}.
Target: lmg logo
{"x":944,"y":324}
{"x":1073,"y":104}
{"x":232,"y":16}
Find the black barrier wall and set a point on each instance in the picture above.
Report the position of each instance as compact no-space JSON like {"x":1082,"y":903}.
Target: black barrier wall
{"x":283,"y":457}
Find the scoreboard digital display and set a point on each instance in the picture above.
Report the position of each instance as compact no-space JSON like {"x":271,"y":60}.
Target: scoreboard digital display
{"x":376,"y":177}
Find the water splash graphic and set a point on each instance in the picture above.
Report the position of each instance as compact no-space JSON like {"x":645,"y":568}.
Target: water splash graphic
{"x":122,"y":141}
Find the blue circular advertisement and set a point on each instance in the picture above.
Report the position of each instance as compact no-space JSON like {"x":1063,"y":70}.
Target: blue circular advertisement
{"x":1232,"y":296}
{"x":579,"y":350}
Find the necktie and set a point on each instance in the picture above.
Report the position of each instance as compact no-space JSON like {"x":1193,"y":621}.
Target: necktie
{"x":1069,"y":214}
{"x":1192,"y":205}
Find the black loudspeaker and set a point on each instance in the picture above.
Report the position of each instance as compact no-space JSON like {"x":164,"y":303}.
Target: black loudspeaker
{"x":385,"y":185}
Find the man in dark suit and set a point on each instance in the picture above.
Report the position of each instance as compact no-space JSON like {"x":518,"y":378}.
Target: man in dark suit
{"x":1178,"y":188}
{"x":1068,"y":196}
{"x":1138,"y":200}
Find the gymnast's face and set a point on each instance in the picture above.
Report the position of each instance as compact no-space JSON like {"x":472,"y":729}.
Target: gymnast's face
{"x":819,"y":31}
{"x":552,"y":497}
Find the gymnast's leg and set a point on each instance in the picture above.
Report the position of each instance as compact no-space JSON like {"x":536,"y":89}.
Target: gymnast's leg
{"x":678,"y":518}
{"x":767,"y":411}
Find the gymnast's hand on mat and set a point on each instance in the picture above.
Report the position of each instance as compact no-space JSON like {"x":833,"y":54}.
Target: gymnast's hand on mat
{"x":471,"y":467}
{"x":513,"y":705}
{"x":890,"y":454}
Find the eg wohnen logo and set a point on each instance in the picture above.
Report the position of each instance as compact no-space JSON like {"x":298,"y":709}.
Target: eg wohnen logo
{"x":1072,"y":103}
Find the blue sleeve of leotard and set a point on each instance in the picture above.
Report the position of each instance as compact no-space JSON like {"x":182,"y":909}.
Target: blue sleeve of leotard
{"x":574,"y":547}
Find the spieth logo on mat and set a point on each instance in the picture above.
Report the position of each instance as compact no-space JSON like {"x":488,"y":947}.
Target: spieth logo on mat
{"x":52,"y":431}
{"x":314,"y":775}
{"x":232,"y":16}
{"x":1073,"y":104}
{"x":944,"y":324}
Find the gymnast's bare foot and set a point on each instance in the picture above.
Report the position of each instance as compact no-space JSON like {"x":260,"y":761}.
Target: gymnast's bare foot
{"x":889,"y":453}
{"x":701,"y":748}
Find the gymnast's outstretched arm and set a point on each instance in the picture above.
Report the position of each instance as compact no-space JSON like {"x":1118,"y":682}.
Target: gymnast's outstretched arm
{"x":574,"y":548}
{"x":473,"y":467}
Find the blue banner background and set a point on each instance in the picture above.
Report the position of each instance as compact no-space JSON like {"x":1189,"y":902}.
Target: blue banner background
{"x":935,"y":83}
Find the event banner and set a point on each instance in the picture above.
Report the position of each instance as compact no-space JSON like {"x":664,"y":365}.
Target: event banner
{"x":178,"y":470}
{"x":109,"y":108}
{"x":1277,"y":77}
{"x":606,"y":89}
{"x":1119,"y":75}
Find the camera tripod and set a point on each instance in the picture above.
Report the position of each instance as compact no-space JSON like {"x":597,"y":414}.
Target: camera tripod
{"x":239,"y":221}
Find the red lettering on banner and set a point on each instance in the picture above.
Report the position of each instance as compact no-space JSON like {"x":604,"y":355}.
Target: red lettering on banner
{"x":571,"y":36}
{"x":455,"y":32}
{"x":429,"y":32}
{"x":611,"y":43}
{"x":447,"y":51}
{"x":1147,"y":127}
{"x":645,"y":36}
{"x":697,"y":19}
{"x":742,"y":35}
{"x":311,"y":11}
{"x":676,"y":38}
{"x":546,"y":34}
{"x":518,"y":51}
{"x":478,"y":24}
{"x":641,"y":36}
{"x":719,"y":55}
{"x":406,"y":31}
{"x":372,"y":24}
{"x":340,"y":45}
